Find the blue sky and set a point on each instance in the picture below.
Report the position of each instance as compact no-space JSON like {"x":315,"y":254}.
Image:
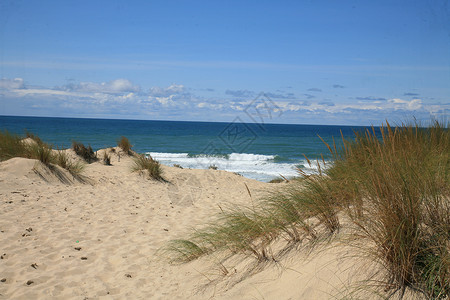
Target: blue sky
{"x":317,"y":62}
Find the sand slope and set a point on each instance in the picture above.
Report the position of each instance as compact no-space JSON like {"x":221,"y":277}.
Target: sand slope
{"x":63,"y":239}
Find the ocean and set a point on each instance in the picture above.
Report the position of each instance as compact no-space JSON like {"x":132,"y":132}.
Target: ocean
{"x":259,"y":151}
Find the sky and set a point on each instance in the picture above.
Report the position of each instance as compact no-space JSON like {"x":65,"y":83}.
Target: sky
{"x":307,"y":61}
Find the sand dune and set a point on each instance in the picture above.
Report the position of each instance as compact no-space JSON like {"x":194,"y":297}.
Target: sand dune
{"x":98,"y":239}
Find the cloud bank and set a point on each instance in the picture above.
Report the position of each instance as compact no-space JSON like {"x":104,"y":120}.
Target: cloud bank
{"x":121,"y":98}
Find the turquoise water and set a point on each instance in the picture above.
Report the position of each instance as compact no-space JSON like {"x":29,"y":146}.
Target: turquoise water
{"x":258,"y":151}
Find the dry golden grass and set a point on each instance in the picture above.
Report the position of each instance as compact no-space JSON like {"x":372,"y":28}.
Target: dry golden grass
{"x":125,"y":145}
{"x":392,"y":183}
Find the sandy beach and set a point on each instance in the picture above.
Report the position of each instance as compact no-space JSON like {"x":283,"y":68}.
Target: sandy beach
{"x":270,"y":150}
{"x":98,"y":238}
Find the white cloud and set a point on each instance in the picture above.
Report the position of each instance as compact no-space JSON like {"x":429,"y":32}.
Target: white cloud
{"x":414,"y":104}
{"x":111,"y":87}
{"x":165,"y":92}
{"x":165,"y":101}
{"x":16,"y":83}
{"x":28,"y":92}
{"x":210,"y":105}
{"x":390,"y":105}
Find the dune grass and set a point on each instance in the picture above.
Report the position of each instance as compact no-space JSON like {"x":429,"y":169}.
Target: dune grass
{"x":400,"y":202}
{"x":35,"y":138}
{"x":62,"y":159}
{"x":11,"y":146}
{"x":277,"y":180}
{"x":74,"y":167}
{"x":107,"y":158}
{"x":41,"y":152}
{"x":125,"y":145}
{"x":87,"y":153}
{"x":144,"y":163}
{"x":392,"y":184}
{"x":14,"y":146}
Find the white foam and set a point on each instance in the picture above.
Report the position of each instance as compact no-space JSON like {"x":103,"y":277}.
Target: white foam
{"x":160,"y":155}
{"x":249,"y":157}
{"x":255,"y":166}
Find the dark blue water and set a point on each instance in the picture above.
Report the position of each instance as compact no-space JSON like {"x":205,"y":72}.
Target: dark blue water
{"x":267,"y":150}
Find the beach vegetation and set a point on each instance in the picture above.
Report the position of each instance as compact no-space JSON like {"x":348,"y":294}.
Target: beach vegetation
{"x":14,"y":146}
{"x":397,"y":183}
{"x":35,"y":138}
{"x":142,"y":163}
{"x":107,"y":158}
{"x":125,"y":145}
{"x":178,"y":166}
{"x":277,"y":180}
{"x":213,"y":167}
{"x":63,"y":160}
{"x":392,"y":186}
{"x":41,"y":152}
{"x":87,"y":153}
{"x":11,"y":145}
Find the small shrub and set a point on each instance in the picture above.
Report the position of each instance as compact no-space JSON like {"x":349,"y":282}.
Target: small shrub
{"x":212,"y":167}
{"x":125,"y":145}
{"x":107,"y":158}
{"x":143,"y":163}
{"x":86,"y":153}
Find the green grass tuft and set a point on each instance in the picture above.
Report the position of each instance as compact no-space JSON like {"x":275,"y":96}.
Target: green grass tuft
{"x":14,"y":146}
{"x":11,"y":146}
{"x":184,"y":251}
{"x":41,"y":152}
{"x":63,"y":160}
{"x":143,"y":163}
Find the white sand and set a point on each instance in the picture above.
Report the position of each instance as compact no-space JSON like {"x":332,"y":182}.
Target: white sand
{"x":98,"y":239}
